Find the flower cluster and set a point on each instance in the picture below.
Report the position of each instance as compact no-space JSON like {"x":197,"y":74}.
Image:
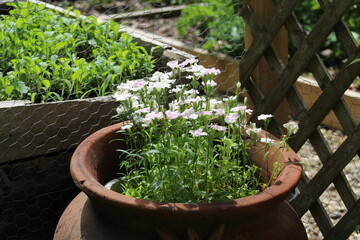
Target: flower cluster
{"x":186,"y":144}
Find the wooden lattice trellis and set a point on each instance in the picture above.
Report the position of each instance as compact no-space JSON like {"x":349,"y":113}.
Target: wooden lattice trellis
{"x":307,"y":58}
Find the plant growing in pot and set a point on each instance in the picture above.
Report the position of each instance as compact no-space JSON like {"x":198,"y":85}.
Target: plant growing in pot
{"x":190,"y":167}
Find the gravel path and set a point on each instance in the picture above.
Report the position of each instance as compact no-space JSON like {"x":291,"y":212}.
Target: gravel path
{"x":330,"y":198}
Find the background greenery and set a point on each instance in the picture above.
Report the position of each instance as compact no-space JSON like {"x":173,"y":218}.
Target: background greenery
{"x":46,"y":56}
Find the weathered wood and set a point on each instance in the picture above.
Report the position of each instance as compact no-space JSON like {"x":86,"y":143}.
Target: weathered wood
{"x":348,"y":109}
{"x":163,"y":12}
{"x":264,"y":38}
{"x":325,"y":102}
{"x":323,"y":77}
{"x":316,"y":209}
{"x":341,"y":183}
{"x":38,"y":129}
{"x":324,"y":152}
{"x":345,"y":227}
{"x":332,"y":167}
{"x":263,"y":73}
{"x":321,"y":218}
{"x":301,"y":58}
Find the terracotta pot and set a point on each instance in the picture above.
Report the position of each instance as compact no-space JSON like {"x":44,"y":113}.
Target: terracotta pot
{"x":105,"y":214}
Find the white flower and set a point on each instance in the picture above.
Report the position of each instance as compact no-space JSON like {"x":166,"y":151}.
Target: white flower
{"x":267,"y":140}
{"x":253,"y":130}
{"x":121,"y":110}
{"x":291,"y":127}
{"x":128,"y":126}
{"x":197,"y":70}
{"x":159,"y":85}
{"x":159,"y":76}
{"x":231,"y":118}
{"x":172,"y":114}
{"x":210,"y":83}
{"x":264,"y":116}
{"x":193,"y":116}
{"x":188,"y":61}
{"x":194,"y":100}
{"x":214,"y":102}
{"x":219,"y":111}
{"x":176,"y":89}
{"x":217,"y":127}
{"x":207,"y":71}
{"x":238,"y":108}
{"x":123,"y":96}
{"x":174,"y":105}
{"x":248,"y":111}
{"x":188,"y":112}
{"x":198,"y":132}
{"x":191,"y":92}
{"x":173,"y":64}
{"x":143,"y":110}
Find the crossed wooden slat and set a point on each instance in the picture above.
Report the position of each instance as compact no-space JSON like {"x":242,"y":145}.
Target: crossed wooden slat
{"x":331,"y":98}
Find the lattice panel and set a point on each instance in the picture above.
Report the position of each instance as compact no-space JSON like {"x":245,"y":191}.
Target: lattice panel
{"x":307,"y":57}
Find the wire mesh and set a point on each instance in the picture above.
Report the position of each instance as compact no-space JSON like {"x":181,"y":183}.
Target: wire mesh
{"x":36,"y":144}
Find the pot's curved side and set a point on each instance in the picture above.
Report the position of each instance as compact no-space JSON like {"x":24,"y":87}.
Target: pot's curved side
{"x":80,"y":221}
{"x":95,"y":162}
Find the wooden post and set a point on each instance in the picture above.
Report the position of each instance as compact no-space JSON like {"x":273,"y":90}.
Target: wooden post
{"x":262,"y":73}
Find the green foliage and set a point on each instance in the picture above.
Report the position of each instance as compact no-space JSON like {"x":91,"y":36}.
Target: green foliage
{"x":191,"y":155}
{"x":216,"y":26}
{"x":171,"y":2}
{"x":309,"y":12}
{"x":46,"y":56}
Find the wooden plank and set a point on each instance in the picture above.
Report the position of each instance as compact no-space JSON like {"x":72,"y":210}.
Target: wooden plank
{"x":310,"y":91}
{"x":345,"y":227}
{"x":263,"y":73}
{"x":304,"y":54}
{"x":321,"y":218}
{"x":341,"y":183}
{"x":325,"y":102}
{"x":323,"y":77}
{"x":317,"y":209}
{"x":328,"y":172}
{"x":264,"y":38}
{"x":163,"y":12}
{"x":39,"y":129}
{"x":324,"y":152}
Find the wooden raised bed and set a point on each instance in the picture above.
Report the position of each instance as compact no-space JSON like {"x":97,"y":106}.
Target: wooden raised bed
{"x":36,"y":143}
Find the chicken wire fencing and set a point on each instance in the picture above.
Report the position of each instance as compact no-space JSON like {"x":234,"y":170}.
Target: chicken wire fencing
{"x":39,"y":131}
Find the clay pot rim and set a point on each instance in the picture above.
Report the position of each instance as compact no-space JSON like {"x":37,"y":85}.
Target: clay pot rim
{"x":87,"y":182}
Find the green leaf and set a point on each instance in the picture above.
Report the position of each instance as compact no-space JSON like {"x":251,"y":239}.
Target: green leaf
{"x":36,"y":69}
{"x":60,"y":45}
{"x":76,"y":74}
{"x":355,"y":61}
{"x":9,"y":90}
{"x":77,"y":13}
{"x":32,"y":97}
{"x":46,"y":83}
{"x":19,"y":22}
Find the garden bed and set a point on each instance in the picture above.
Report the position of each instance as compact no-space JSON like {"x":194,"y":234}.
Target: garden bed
{"x":37,"y":141}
